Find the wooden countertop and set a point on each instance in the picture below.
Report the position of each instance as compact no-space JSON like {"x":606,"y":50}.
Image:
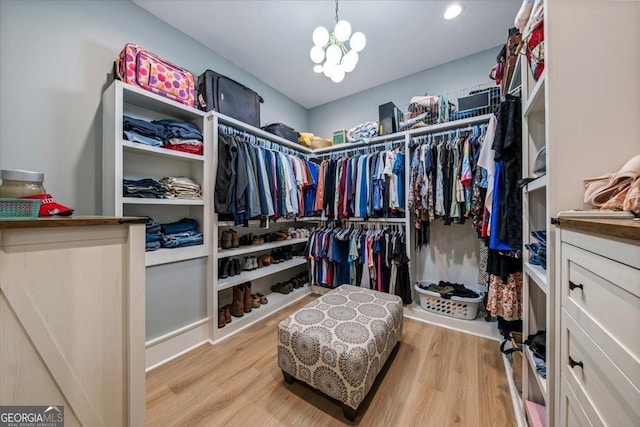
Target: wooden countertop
{"x":72,"y":221}
{"x":622,"y":228}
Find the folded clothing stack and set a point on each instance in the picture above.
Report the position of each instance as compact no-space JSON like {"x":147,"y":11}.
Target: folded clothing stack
{"x":538,"y":250}
{"x":177,"y":234}
{"x":153,"y":236}
{"x":180,"y":188}
{"x":363,"y":132}
{"x":168,"y":133}
{"x":147,"y":188}
{"x":181,"y":234}
{"x":616,"y":191}
{"x":448,"y":290}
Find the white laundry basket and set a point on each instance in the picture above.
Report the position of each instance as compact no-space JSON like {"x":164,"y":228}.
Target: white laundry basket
{"x":458,"y":307}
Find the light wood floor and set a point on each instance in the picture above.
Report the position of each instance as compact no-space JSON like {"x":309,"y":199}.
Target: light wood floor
{"x":437,"y":377}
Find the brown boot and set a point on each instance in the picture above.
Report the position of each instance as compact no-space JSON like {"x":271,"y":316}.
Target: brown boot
{"x":227,"y":313}
{"x":247,"y":297}
{"x":222,"y":319}
{"x":237,"y":307}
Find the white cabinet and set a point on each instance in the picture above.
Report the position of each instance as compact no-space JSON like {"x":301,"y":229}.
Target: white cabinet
{"x":599,"y":296}
{"x":72,"y":318}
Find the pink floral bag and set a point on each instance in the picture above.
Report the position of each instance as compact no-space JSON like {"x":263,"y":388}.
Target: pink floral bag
{"x":137,"y":66}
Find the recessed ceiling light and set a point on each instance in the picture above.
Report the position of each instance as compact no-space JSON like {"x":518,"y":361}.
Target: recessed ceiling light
{"x":453,"y":11}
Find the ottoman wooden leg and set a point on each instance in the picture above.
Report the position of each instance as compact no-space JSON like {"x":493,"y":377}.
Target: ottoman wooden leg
{"x":287,"y":377}
{"x":349,"y":412}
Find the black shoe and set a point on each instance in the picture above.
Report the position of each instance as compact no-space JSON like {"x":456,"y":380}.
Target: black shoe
{"x":223,"y":268}
{"x":236,"y":267}
{"x":231,"y":271}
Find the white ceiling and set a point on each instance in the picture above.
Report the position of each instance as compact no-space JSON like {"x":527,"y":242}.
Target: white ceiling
{"x":271,"y":39}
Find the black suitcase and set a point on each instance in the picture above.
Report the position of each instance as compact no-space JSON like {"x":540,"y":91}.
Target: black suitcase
{"x":226,"y":96}
{"x":282,"y":130}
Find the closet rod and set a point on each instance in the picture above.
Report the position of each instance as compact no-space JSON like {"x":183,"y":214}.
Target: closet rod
{"x":257,"y":140}
{"x":383,"y":220}
{"x":388,"y":145}
{"x":416,"y":140}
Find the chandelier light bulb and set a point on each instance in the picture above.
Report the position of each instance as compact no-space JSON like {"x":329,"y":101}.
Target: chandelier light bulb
{"x":317,"y":68}
{"x":334,"y":54}
{"x":328,"y":69}
{"x":349,"y":61}
{"x":342,"y":31}
{"x":317,"y":54}
{"x":358,"y":41}
{"x":337,"y":75}
{"x":320,"y":36}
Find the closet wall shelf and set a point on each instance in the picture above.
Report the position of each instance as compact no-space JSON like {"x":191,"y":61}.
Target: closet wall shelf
{"x":226,"y":253}
{"x":174,"y":202}
{"x":535,"y":102}
{"x":542,"y":382}
{"x":246,"y":276}
{"x":276,"y":302}
{"x":226,"y":120}
{"x":538,"y":184}
{"x":134,"y":147}
{"x":166,"y":256}
{"x":538,"y":274}
{"x":148,"y":100}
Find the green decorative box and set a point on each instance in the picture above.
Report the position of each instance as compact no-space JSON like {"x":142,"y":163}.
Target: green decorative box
{"x":339,"y":137}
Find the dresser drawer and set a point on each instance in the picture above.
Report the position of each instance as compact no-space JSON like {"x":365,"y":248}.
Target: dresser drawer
{"x":572,"y":409}
{"x":602,"y":297}
{"x":611,"y":393}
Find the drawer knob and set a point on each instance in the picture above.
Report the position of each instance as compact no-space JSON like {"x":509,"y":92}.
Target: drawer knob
{"x":572,"y":286}
{"x":573,"y":363}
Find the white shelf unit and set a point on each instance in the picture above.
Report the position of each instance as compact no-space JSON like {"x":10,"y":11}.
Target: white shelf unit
{"x":243,"y":250}
{"x":131,"y":160}
{"x":581,"y":141}
{"x":247,"y":276}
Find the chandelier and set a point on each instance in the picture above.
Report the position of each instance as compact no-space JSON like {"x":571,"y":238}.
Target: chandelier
{"x":339,"y":49}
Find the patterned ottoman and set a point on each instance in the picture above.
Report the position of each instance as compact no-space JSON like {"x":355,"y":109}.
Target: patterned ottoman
{"x":339,"y":342}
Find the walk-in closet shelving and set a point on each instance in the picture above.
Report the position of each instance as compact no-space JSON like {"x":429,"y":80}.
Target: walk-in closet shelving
{"x":123,"y":159}
{"x":479,"y":326}
{"x":261,"y":278}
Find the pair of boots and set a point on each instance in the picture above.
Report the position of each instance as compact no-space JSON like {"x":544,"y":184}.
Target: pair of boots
{"x":228,"y":268}
{"x":229,"y":239}
{"x":241,"y":299}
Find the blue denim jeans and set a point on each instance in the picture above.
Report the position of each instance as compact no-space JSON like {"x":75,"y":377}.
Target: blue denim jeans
{"x":179,"y":240}
{"x":185,"y":224}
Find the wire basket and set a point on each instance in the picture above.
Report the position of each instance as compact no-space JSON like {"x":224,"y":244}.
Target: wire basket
{"x":458,"y":307}
{"x":19,"y":208}
{"x":462,"y":104}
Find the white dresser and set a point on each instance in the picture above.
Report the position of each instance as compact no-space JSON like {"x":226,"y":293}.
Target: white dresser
{"x":72,"y":317}
{"x":599,"y":322}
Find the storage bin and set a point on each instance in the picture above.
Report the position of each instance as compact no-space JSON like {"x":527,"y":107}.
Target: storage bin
{"x":458,"y":307}
{"x":11,"y":208}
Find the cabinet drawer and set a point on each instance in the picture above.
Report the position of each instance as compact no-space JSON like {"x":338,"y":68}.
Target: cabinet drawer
{"x":605,"y":303}
{"x":572,"y":412}
{"x":611,"y":393}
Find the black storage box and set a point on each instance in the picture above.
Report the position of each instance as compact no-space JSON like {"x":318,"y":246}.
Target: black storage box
{"x":226,"y":96}
{"x":282,"y":130}
{"x":388,"y":118}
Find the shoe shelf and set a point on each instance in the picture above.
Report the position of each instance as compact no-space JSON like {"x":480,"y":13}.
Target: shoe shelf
{"x":246,"y":276}
{"x":176,"y":202}
{"x":159,"y":151}
{"x":271,"y":223}
{"x":276,"y":302}
{"x":542,"y":382}
{"x":166,"y":256}
{"x":538,"y":274}
{"x":226,"y":253}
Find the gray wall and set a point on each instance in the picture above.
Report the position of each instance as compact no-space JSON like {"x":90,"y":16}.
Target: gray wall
{"x":55,"y":57}
{"x":348,"y":112}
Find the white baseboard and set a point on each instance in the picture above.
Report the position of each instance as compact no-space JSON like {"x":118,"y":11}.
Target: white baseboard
{"x":176,"y":343}
{"x":476,"y":327}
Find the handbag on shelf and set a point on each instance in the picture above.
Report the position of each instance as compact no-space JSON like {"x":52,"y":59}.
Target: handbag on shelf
{"x":137,"y":66}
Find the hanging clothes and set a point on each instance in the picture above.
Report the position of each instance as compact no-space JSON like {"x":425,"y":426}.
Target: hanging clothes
{"x":372,"y":258}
